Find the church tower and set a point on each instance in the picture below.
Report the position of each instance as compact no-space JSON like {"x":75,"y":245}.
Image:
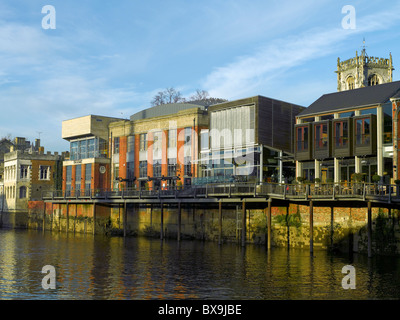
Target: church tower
{"x":363,"y":71}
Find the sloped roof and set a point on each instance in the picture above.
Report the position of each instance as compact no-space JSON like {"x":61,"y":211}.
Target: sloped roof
{"x":353,"y":98}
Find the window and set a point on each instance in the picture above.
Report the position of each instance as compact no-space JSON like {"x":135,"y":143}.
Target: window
{"x":116,"y":171}
{"x":188,"y":136}
{"x":44,"y":172}
{"x":204,"y":137}
{"x":68,"y":179}
{"x":350,"y":83}
{"x":387,"y":124}
{"x":88,"y":148}
{"x":373,"y":80}
{"x":157,"y":168}
{"x":321,"y":136}
{"x":188,"y":166}
{"x":78,"y":174}
{"x":157,"y":138}
{"x":88,"y":178}
{"x":341,"y":134}
{"x":22,"y":192}
{"x":131,"y":144}
{"x":24,"y":172}
{"x":302,"y":139}
{"x":143,"y":169}
{"x":172,"y":138}
{"x":116,"y":145}
{"x":143,"y":142}
{"x":130,"y":173}
{"x":91,"y":148}
{"x":363,"y":137}
{"x":171,"y":167}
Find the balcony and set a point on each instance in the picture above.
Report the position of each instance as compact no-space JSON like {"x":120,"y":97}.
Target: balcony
{"x":365,"y":135}
{"x":303,"y":142}
{"x":322,"y":140}
{"x":342,"y":143}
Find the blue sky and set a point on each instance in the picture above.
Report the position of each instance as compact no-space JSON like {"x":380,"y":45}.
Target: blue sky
{"x":111,"y":58}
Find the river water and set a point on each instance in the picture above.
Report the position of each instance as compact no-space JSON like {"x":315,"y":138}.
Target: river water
{"x":99,"y":267}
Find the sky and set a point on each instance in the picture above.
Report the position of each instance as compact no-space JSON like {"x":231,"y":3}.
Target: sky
{"x":111,"y":58}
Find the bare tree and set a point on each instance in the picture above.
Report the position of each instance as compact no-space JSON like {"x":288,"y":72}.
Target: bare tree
{"x":169,"y":95}
{"x":200,"y":95}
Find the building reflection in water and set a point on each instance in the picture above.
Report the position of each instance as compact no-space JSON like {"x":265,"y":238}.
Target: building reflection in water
{"x":101,"y":267}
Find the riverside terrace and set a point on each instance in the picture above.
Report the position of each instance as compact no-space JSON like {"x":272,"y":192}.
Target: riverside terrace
{"x":256,"y":195}
{"x":255,"y":192}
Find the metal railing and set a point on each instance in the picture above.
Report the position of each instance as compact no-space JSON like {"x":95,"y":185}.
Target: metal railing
{"x":320,"y":191}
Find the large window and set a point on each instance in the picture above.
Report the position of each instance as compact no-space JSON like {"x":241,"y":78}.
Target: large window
{"x":157,"y":168}
{"x":116,"y":145}
{"x":321,"y":136}
{"x":373,"y":80}
{"x":172,"y":138}
{"x":350,"y":83}
{"x":143,"y":169}
{"x":341,"y":134}
{"x":143,"y":142}
{"x":88,"y":177}
{"x":188,"y":136}
{"x":387,"y":124}
{"x":22,"y":192}
{"x":302,"y":139}
{"x":363,"y":134}
{"x":188,"y":166}
{"x":44,"y":172}
{"x":204,"y":140}
{"x":88,"y":148}
{"x":131,"y":144}
{"x":78,"y":177}
{"x":68,"y":179}
{"x":24,"y":172}
{"x":172,"y":167}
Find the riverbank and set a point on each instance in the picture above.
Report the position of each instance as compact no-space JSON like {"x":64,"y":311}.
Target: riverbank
{"x":343,"y":229}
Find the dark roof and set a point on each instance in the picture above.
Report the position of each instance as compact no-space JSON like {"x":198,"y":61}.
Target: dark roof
{"x":164,"y":110}
{"x":354,"y":98}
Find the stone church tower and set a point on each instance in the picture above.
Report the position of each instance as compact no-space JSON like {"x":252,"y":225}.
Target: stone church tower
{"x":363,"y":71}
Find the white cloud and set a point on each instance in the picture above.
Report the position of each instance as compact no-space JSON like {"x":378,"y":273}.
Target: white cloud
{"x":255,"y":71}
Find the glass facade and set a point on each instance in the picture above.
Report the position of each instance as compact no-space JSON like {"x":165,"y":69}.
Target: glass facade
{"x":88,"y":148}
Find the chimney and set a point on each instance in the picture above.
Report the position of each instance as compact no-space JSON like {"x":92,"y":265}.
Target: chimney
{"x":37,"y":144}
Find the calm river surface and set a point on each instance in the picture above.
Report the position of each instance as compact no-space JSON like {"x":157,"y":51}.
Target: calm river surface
{"x":99,"y":267}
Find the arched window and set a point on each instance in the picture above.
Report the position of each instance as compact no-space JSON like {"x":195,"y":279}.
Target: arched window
{"x":22,"y":192}
{"x":373,"y":80}
{"x":350,"y":83}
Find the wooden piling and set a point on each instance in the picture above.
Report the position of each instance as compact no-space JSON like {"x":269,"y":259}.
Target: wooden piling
{"x":311,"y":227}
{"x":162,"y":222}
{"x":76,"y":217}
{"x":220,"y":222}
{"x":244,"y":220}
{"x":179,"y":221}
{"x":94,"y":218}
{"x":369,"y":229}
{"x":67,"y":216}
{"x":269,"y":220}
{"x":125,"y":215}
{"x":332,"y":226}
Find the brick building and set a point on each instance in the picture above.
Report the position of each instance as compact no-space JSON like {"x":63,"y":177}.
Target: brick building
{"x":27,"y":175}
